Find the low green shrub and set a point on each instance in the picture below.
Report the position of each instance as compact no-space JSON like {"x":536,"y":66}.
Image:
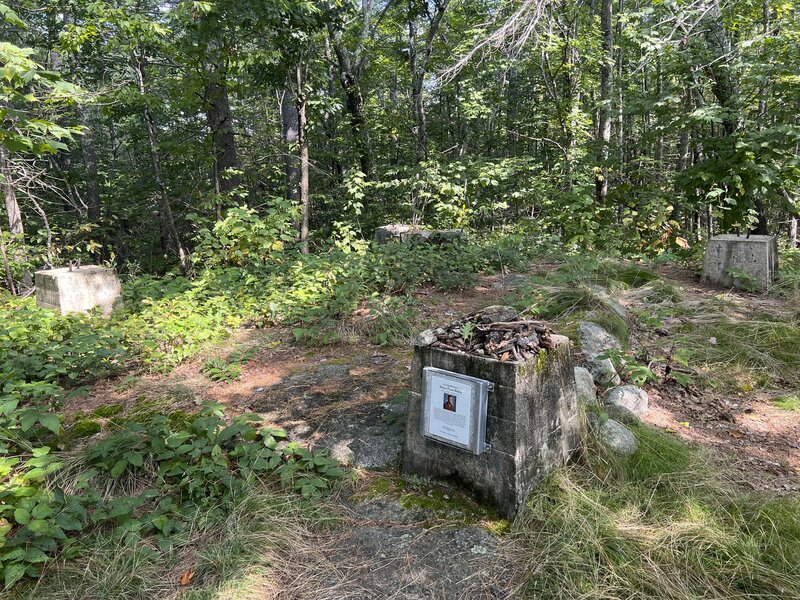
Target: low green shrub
{"x":149,"y":479}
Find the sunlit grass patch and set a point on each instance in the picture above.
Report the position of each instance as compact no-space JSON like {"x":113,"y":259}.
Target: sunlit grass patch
{"x":657,"y":525}
{"x":242,"y":556}
{"x":790,"y":402}
{"x":752,"y":352}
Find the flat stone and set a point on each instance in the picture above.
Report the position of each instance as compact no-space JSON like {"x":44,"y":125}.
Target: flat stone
{"x":741,"y":262}
{"x":627,"y":401}
{"x":596,"y":340}
{"x":499,"y":314}
{"x":510,"y":281}
{"x":584,"y":382}
{"x":602,"y":370}
{"x":618,"y":438}
{"x":426,"y":338}
{"x":430,"y":236}
{"x":79,"y":290}
{"x":387,"y":233}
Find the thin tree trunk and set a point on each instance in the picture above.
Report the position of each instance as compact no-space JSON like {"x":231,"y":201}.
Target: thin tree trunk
{"x":793,"y":233}
{"x":138,"y":64}
{"x":6,"y":266}
{"x":349,"y":77}
{"x":606,"y":80}
{"x":302,"y":138}
{"x":90,"y":162}
{"x":418,"y":65}
{"x":289,"y":124}
{"x":12,"y":206}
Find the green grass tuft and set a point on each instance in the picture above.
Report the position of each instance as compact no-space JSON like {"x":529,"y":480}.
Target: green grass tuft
{"x":657,"y":525}
{"x":744,"y":349}
{"x":791,"y":402}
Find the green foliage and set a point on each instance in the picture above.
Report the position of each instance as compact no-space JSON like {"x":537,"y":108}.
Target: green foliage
{"x":628,"y":368}
{"x":247,"y":237}
{"x":227,"y":369}
{"x":24,"y":85}
{"x":39,"y":345}
{"x":181,"y":466}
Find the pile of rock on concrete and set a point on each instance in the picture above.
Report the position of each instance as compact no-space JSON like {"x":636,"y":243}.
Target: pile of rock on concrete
{"x":622,"y":403}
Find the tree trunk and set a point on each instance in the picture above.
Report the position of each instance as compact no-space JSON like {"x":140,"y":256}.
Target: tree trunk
{"x":90,"y":163}
{"x":418,"y":66}
{"x":220,"y":122}
{"x":417,"y":105}
{"x":291,"y":163}
{"x":606,"y":80}
{"x":12,"y":206}
{"x":793,"y":234}
{"x":349,"y":77}
{"x":138,"y":64}
{"x":302,"y":138}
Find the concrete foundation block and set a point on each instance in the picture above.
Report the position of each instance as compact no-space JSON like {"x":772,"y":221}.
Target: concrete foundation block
{"x":79,"y":290}
{"x":741,"y":262}
{"x":407,"y":234}
{"x":387,"y":233}
{"x":532,"y":424}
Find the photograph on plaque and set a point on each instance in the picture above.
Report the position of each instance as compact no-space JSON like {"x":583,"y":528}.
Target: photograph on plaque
{"x":455,"y":409}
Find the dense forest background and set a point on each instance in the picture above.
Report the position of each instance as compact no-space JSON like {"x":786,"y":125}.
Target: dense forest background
{"x":150,"y":135}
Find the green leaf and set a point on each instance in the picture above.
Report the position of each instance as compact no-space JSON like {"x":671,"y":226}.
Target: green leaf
{"x":50,"y":421}
{"x":119,"y":468}
{"x":22,"y":516}
{"x":14,"y":573}
{"x":35,"y":555}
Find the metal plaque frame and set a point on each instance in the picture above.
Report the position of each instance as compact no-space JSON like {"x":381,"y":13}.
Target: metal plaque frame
{"x":479,"y":400}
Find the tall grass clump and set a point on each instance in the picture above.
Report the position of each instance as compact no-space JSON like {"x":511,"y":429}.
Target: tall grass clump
{"x":657,"y":525}
{"x":745,"y":349}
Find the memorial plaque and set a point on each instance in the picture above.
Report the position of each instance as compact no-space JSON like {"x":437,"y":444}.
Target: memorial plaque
{"x":454,"y":409}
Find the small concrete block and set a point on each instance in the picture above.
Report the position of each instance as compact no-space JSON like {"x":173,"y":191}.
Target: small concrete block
{"x":387,"y":233}
{"x":430,"y":236}
{"x":79,"y":290}
{"x":532,"y":424}
{"x":741,"y":262}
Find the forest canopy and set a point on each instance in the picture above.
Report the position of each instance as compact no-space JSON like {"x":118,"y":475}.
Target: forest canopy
{"x":155,"y":135}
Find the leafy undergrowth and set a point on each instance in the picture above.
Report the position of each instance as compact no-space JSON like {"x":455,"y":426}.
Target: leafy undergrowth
{"x":152,"y":482}
{"x":150,"y":479}
{"x":657,"y":525}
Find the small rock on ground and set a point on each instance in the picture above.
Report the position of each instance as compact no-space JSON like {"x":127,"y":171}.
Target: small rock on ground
{"x":584,"y":381}
{"x":595,"y":340}
{"x":426,"y":338}
{"x":602,"y":370}
{"x":618,"y":438}
{"x":499,"y":314}
{"x":627,"y":402}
